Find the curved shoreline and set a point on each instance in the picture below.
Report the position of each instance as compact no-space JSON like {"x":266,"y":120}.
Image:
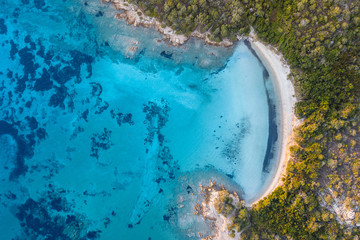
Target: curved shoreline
{"x":272,"y":113}
{"x":278,"y":70}
{"x":285,"y":98}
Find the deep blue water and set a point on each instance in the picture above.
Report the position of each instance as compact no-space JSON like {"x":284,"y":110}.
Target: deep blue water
{"x":106,"y":131}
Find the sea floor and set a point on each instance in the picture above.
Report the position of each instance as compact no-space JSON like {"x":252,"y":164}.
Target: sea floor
{"x":107,"y":132}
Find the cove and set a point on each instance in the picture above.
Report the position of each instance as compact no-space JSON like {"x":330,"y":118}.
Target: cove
{"x":107,"y":132}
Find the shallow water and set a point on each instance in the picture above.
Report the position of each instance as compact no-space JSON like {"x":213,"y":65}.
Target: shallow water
{"x":106,"y":132}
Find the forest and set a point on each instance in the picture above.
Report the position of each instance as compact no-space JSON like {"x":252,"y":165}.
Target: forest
{"x":320,"y":40}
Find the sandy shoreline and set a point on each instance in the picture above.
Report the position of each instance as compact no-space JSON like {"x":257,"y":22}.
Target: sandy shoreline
{"x":274,"y":63}
{"x":286,"y":100}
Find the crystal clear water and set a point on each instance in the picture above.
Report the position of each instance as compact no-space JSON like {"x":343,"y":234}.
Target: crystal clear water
{"x":106,"y":131}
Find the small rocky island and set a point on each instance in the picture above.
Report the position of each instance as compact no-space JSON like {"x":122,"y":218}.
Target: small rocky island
{"x":225,"y":212}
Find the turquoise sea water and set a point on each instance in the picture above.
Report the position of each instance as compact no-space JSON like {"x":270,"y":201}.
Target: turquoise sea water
{"x":107,"y":132}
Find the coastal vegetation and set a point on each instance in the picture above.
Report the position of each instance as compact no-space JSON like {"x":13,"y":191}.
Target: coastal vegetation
{"x":223,"y":203}
{"x":232,"y":216}
{"x":320,"y":195}
{"x":226,"y":206}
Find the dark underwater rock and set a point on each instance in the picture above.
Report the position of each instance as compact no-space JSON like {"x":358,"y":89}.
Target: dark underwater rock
{"x":85,"y":114}
{"x":33,"y":123}
{"x":27,"y":59}
{"x":3,"y":28}
{"x":13,"y":50}
{"x":39,"y":4}
{"x":101,"y":106}
{"x":96,"y":89}
{"x":166,"y":54}
{"x":50,"y":218}
{"x":57,"y":99}
{"x":100,"y":141}
{"x":25,"y":150}
{"x":121,"y":118}
{"x":43,"y":83}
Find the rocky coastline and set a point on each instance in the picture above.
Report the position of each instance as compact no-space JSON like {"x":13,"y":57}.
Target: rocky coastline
{"x":224,"y":211}
{"x":133,"y":15}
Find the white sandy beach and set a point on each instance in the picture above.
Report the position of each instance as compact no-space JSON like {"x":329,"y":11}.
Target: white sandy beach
{"x":276,"y":66}
{"x":286,"y":100}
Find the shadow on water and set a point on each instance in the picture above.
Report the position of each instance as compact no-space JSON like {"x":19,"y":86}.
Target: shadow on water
{"x":273,"y":128}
